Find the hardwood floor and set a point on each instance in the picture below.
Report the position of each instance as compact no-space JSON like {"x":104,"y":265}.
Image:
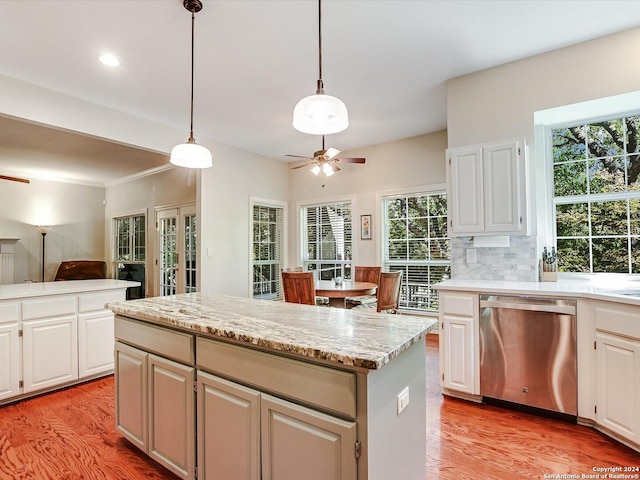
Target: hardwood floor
{"x":70,"y":435}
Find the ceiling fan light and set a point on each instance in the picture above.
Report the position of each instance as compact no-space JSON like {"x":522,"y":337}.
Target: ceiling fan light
{"x":316,"y":170}
{"x":320,"y":114}
{"x":327,"y":169}
{"x":191,"y":155}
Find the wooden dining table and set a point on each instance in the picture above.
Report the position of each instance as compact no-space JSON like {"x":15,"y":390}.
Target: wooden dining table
{"x":348,"y":288}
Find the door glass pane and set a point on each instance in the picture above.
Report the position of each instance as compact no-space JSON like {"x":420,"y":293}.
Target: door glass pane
{"x":190,"y":253}
{"x":168,"y":256}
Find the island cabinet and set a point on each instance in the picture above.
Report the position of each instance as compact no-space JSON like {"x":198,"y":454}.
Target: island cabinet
{"x":487,"y":189}
{"x":155,"y":395}
{"x":55,"y":335}
{"x":618,"y":370}
{"x":281,"y":391}
{"x":459,"y":343}
{"x":272,"y":437}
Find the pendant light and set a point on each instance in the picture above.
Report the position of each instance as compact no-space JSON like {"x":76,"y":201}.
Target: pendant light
{"x":320,"y":114}
{"x":190,"y":154}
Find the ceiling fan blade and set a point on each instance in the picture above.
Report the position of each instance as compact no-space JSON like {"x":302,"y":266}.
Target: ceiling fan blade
{"x":351,"y":160}
{"x":14,"y":179}
{"x":301,"y":166}
{"x":299,"y":156}
{"x":331,"y":152}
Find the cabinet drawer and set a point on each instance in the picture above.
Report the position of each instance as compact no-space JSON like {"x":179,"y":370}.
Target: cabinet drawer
{"x":620,"y":319}
{"x":458,"y":304}
{"x":48,"y":307}
{"x":95,"y":301}
{"x":9,"y":312}
{"x":327,"y":388}
{"x":167,"y":343}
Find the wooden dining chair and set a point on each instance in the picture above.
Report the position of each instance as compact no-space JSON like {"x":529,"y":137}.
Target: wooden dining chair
{"x":363,"y":274}
{"x":300,"y":287}
{"x":388,"y":293}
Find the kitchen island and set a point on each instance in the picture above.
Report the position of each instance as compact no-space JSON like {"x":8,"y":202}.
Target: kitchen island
{"x":281,"y":390}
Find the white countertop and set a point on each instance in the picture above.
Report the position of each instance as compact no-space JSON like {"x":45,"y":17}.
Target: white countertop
{"x":355,"y":337}
{"x":39,"y":289}
{"x":603,"y":287}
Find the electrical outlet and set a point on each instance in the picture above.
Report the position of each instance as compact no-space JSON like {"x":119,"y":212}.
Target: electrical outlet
{"x":403,"y":400}
{"x":471,"y":255}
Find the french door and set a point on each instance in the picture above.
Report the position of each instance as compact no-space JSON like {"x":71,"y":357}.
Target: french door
{"x":176,"y":263}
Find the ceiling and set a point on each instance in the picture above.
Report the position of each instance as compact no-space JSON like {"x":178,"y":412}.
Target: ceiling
{"x":388,"y":60}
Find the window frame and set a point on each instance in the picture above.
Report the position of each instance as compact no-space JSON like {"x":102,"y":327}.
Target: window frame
{"x":115,"y":244}
{"x":268,"y":203}
{"x":381,"y":197}
{"x":552,"y":202}
{"x":345,"y":264}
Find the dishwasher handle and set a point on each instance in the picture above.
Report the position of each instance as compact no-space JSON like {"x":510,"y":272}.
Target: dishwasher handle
{"x":529,"y":304}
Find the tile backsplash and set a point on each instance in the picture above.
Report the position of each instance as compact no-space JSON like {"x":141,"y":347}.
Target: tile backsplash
{"x":517,"y":263}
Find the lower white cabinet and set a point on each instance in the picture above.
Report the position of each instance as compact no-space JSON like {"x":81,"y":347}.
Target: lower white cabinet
{"x":95,"y":343}
{"x":618,"y":385}
{"x":459,"y":342}
{"x":10,"y":360}
{"x":155,"y":407}
{"x":247,"y":434}
{"x":50,"y":352}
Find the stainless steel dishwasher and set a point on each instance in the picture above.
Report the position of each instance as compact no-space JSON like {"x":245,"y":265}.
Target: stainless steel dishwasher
{"x":528,"y":352}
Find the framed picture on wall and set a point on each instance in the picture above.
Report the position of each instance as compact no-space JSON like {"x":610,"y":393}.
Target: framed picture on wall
{"x":365,"y":227}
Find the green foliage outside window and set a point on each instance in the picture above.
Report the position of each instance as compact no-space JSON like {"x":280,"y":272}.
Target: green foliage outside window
{"x":597,"y":196}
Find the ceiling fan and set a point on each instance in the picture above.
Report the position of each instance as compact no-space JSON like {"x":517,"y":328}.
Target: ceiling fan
{"x":14,"y":179}
{"x":326,"y":161}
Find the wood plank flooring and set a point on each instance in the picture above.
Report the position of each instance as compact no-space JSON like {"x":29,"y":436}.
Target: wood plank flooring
{"x":70,"y":435}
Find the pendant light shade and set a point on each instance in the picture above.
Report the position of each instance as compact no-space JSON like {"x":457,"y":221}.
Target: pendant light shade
{"x":320,"y":114}
{"x":190,"y":154}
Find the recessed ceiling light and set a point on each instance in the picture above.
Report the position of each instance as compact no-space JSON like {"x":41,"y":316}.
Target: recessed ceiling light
{"x":110,"y":60}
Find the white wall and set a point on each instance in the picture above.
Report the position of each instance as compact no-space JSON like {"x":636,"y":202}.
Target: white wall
{"x":404,"y":163}
{"x":499,"y":104}
{"x":75,"y":212}
{"x":223,"y":211}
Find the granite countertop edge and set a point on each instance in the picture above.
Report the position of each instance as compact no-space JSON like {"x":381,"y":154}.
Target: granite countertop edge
{"x":360,"y":339}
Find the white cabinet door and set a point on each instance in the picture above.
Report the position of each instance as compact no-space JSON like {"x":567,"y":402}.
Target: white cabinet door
{"x":228,"y":430}
{"x":501,"y":169}
{"x":458,"y":345}
{"x":618,"y":385}
{"x":487,"y":189}
{"x":9,"y":360}
{"x":466,"y":191}
{"x":131,"y":394}
{"x":95,"y":343}
{"x":171,"y":400}
{"x":296,"y":439}
{"x":50,"y":350}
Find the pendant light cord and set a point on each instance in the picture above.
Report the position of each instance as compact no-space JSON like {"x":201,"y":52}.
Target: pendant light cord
{"x":320,"y":83}
{"x":193,"y":22}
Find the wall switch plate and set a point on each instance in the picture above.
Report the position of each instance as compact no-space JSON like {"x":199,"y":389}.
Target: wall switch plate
{"x":471,"y":255}
{"x":403,"y":399}
{"x":209,"y":252}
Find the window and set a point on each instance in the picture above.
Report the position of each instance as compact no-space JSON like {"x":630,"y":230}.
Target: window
{"x":596,"y":196}
{"x":327,"y":240}
{"x":415,"y":241}
{"x":268,"y":251}
{"x":130,"y":252}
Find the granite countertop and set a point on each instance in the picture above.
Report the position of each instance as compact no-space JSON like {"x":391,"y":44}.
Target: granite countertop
{"x":603,"y":287}
{"x":39,"y":289}
{"x":355,"y":337}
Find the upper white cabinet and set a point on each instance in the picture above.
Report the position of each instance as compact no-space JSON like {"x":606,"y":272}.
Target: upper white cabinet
{"x":487,"y":189}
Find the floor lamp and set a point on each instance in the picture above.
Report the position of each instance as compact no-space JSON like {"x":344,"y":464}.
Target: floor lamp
{"x":43,"y":229}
